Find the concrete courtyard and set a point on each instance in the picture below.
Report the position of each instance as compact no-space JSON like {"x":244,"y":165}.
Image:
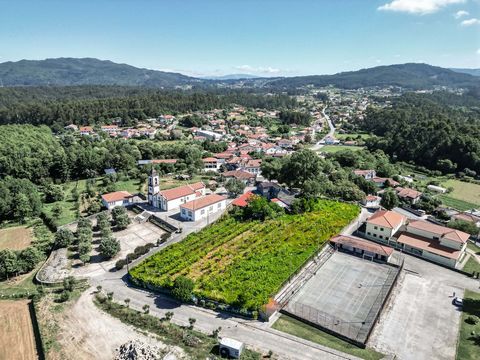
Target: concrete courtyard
{"x":420,"y":321}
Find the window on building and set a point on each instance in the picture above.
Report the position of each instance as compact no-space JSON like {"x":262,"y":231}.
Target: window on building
{"x":202,"y":212}
{"x":436,"y":238}
{"x":381,"y":229}
{"x":210,"y":208}
{"x":374,"y":235}
{"x":369,"y":233}
{"x":380,"y":236}
{"x":375,"y":227}
{"x":219,"y":205}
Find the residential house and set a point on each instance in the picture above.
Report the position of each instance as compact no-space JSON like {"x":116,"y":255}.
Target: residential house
{"x":117,"y":198}
{"x":201,"y":208}
{"x":411,"y":196}
{"x":252,"y":166}
{"x":109,"y":129}
{"x":242,"y":200}
{"x":86,"y":130}
{"x":246,"y":177}
{"x":211,"y":164}
{"x":367,"y":174}
{"x":371,"y":201}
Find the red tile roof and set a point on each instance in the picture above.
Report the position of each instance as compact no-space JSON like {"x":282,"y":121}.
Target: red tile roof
{"x":116,"y":196}
{"x":185,"y":190}
{"x":209,"y":159}
{"x":408,"y":193}
{"x":429,"y":245}
{"x":362,"y":244}
{"x":441,"y":231}
{"x":203,"y":202}
{"x":242,"y":200}
{"x":385,"y":218}
{"x":238,"y":174}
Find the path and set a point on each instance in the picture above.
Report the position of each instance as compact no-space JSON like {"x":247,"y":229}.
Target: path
{"x":318,"y":145}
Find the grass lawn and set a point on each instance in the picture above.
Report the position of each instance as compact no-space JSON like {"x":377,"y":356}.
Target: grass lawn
{"x":329,"y":149}
{"x":132,"y":186}
{"x":473,"y":247}
{"x":353,"y":136}
{"x":20,"y":285}
{"x":468,"y":347}
{"x":15,"y":238}
{"x":69,"y":212}
{"x":245,"y":262}
{"x":471,"y":266}
{"x":458,"y":204}
{"x":304,"y":331}
{"x":464,"y":191}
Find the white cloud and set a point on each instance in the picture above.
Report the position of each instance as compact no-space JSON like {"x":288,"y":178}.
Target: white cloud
{"x":420,"y":7}
{"x":461,"y":13}
{"x":470,"y":22}
{"x":478,"y":52}
{"x":258,"y":69}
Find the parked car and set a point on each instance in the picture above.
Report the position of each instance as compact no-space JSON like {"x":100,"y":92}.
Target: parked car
{"x":458,"y":301}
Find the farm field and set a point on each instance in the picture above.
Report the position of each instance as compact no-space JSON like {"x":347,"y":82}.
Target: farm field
{"x":15,"y":238}
{"x":330,"y":149}
{"x":354,"y":136}
{"x":244,"y":263}
{"x":464,"y":191}
{"x":17,"y":339}
{"x":457,"y":204}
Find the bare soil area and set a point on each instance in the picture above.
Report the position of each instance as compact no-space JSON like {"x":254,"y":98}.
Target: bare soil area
{"x":85,"y":332}
{"x":15,"y":238}
{"x":17,"y":340}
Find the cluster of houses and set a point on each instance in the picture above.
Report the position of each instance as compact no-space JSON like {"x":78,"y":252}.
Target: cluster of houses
{"x":408,"y":195}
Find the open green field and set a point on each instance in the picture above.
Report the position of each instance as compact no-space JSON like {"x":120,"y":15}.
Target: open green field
{"x":469,"y":339}
{"x":330,"y":149}
{"x":464,"y":191}
{"x":354,"y":136}
{"x":244,"y":263}
{"x":472,"y":265}
{"x":68,"y":213}
{"x":461,"y":205}
{"x":304,"y":331}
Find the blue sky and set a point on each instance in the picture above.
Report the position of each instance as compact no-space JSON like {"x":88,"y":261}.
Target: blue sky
{"x":263,"y":37}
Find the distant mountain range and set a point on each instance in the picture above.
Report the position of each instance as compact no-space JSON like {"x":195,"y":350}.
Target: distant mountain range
{"x":231,"y":77}
{"x":411,"y":75}
{"x":474,"y":72}
{"x":85,"y":71}
{"x":89,"y":71}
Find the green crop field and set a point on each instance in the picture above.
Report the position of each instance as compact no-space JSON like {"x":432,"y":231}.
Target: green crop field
{"x":328,"y":149}
{"x":244,"y":263}
{"x":463,"y":191}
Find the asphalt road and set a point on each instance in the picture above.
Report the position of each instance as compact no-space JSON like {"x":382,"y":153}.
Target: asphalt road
{"x":318,"y":146}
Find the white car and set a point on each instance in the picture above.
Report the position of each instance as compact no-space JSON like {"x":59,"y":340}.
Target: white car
{"x":458,"y":301}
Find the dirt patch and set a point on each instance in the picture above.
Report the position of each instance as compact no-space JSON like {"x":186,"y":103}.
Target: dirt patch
{"x":17,"y":340}
{"x":16,"y":238}
{"x":85,"y":332}
{"x":56,"y":268}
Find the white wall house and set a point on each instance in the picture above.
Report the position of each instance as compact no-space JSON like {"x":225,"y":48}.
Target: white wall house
{"x":382,"y":225}
{"x":201,"y":208}
{"x":117,"y":198}
{"x":172,"y":198}
{"x":211,"y":164}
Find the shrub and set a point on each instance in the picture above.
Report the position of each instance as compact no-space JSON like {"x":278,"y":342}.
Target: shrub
{"x":472,"y":320}
{"x":109,"y":247}
{"x":183,"y":288}
{"x":63,"y":238}
{"x":119,"y":265}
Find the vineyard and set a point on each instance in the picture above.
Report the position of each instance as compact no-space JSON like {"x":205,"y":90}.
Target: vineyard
{"x":243,"y":263}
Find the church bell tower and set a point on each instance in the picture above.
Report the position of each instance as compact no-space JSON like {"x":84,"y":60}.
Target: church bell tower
{"x":153,"y":188}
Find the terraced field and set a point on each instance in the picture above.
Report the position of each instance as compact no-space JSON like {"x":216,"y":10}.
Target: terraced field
{"x":244,"y":263}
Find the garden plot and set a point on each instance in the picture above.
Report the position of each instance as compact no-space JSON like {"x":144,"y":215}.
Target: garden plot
{"x":244,"y":263}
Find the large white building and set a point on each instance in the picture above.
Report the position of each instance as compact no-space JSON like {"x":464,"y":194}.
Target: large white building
{"x":202,"y":207}
{"x":172,"y":198}
{"x":433,"y":242}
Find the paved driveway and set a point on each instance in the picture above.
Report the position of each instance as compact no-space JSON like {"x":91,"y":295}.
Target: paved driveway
{"x":420,"y":321}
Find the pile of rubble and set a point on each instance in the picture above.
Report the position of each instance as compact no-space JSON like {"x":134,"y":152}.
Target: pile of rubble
{"x":137,"y":350}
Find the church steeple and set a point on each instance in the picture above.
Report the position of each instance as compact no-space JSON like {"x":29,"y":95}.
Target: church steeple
{"x":153,"y":187}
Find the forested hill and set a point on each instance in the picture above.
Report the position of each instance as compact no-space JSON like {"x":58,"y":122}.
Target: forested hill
{"x":410,"y":76}
{"x":440,"y":131}
{"x":85,"y":71}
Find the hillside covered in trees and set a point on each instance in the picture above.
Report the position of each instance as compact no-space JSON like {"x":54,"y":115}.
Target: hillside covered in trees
{"x":439,"y":131}
{"x":58,"y":106}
